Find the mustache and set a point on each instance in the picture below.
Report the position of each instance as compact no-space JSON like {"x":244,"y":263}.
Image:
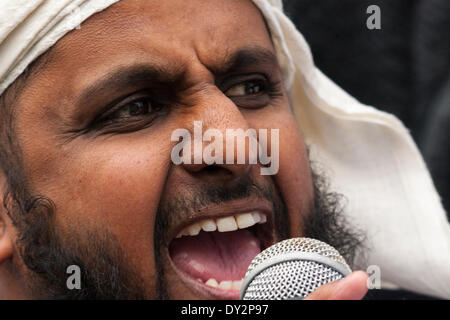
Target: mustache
{"x":179,"y":208}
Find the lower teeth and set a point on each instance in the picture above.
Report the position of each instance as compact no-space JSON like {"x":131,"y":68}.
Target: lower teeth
{"x":225,"y":284}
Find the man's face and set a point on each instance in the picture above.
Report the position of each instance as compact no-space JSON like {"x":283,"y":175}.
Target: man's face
{"x":95,"y":130}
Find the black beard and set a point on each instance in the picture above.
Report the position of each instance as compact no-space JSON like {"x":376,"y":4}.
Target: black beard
{"x":104,"y":271}
{"x":46,"y":254}
{"x":328,"y":223}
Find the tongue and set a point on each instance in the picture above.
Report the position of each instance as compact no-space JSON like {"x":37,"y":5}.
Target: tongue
{"x":218,"y":255}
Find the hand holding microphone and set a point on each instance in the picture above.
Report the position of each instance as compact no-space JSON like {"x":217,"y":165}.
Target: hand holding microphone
{"x":352,"y":287}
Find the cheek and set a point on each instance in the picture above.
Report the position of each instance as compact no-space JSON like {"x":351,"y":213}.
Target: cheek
{"x":294,"y":174}
{"x":294,"y":177}
{"x":122,"y":189}
{"x":113,"y":184}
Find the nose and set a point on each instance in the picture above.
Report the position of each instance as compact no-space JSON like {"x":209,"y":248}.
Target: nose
{"x":222,"y":143}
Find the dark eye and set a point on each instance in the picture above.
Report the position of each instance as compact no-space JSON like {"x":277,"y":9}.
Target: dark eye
{"x":252,"y":93}
{"x":246,"y":88}
{"x":134,"y":108}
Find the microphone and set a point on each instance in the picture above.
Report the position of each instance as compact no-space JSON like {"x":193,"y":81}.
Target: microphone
{"x":292,"y":269}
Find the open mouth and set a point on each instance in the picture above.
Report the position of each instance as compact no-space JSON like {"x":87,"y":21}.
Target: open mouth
{"x":213,"y":254}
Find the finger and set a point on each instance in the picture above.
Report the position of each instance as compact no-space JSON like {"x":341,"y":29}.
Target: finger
{"x":352,"y":287}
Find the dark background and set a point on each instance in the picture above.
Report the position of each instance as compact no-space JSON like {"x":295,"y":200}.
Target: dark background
{"x":403,"y":68}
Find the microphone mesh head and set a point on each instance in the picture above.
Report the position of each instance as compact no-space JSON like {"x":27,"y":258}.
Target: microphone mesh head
{"x":293,"y":278}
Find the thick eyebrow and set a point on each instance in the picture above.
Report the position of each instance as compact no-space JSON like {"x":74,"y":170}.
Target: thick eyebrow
{"x":246,"y":57}
{"x":129,"y":76}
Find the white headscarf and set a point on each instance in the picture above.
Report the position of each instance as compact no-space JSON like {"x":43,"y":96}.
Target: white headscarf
{"x":370,"y":155}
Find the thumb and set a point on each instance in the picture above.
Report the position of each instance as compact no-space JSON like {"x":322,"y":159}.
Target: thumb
{"x":352,"y":287}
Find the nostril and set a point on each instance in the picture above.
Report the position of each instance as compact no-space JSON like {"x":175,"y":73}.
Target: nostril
{"x":217,"y":172}
{"x":214,"y":171}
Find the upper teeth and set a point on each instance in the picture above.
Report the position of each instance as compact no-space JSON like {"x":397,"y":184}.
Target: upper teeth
{"x":225,"y":224}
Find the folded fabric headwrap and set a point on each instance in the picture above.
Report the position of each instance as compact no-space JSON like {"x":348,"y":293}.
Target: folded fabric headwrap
{"x":28,"y":28}
{"x":371,"y":157}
